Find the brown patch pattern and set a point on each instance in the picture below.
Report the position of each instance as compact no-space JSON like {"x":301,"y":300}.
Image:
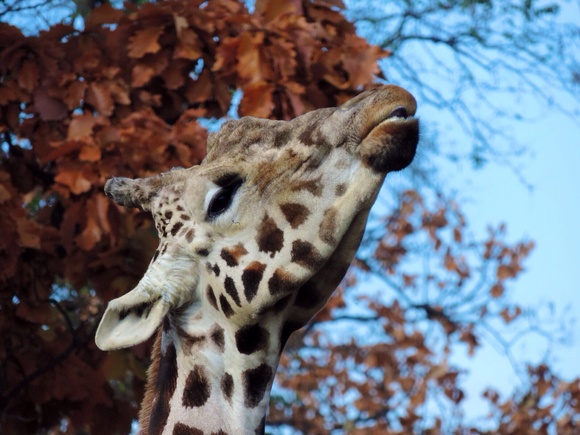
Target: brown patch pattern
{"x":270,"y":237}
{"x":252,"y":338}
{"x":197,"y":388}
{"x":281,"y":137}
{"x":211,"y":297}
{"x":189,"y":235}
{"x":280,"y":282}
{"x":232,"y":255}
{"x":306,"y":255}
{"x":296,"y":214}
{"x":213,"y":268}
{"x":313,"y":186}
{"x":182,"y":429}
{"x":255,"y":381}
{"x":202,"y":252}
{"x":176,"y":228}
{"x":309,"y":137}
{"x":251,"y":277}
{"x":227,"y":385}
{"x":327,"y":228}
{"x":232,"y":290}
{"x":340,"y":189}
{"x":217,"y":336}
{"x":226,"y":307}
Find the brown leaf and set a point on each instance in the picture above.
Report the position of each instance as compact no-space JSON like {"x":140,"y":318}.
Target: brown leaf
{"x":449,"y":262}
{"x":509,"y":314}
{"x":90,"y":153}
{"x":188,"y":46}
{"x":74,"y":178}
{"x":103,"y":14}
{"x":145,"y":41}
{"x":5,"y":194}
{"x":272,"y":9}
{"x":257,"y":100}
{"x":497,"y":290}
{"x":99,"y":96}
{"x":457,"y":236}
{"x":28,"y":75}
{"x":81,"y":126}
{"x":74,"y":94}
{"x":141,"y":74}
{"x":249,"y":63}
{"x":49,"y":108}
{"x":29,"y":232}
{"x":504,"y":272}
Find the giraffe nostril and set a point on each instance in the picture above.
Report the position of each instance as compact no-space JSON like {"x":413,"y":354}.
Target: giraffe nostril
{"x":399,"y":112}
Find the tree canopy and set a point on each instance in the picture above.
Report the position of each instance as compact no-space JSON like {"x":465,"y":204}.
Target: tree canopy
{"x":127,"y":96}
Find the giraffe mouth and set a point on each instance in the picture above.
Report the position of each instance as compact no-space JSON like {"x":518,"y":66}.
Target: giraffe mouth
{"x":391,"y":142}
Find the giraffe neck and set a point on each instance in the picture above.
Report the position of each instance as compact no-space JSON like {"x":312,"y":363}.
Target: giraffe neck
{"x":209,"y":379}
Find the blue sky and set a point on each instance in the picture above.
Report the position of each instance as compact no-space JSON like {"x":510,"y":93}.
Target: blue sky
{"x":548,"y":212}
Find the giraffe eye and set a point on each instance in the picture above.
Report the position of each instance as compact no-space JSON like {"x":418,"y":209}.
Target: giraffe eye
{"x":222,"y":200}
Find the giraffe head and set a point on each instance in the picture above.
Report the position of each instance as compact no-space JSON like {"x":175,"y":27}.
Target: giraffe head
{"x":268,"y":223}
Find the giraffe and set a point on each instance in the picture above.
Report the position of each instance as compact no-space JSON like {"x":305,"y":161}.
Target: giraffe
{"x":253,"y":241}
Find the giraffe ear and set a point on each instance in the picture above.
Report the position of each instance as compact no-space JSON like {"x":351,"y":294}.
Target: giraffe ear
{"x":130,"y":320}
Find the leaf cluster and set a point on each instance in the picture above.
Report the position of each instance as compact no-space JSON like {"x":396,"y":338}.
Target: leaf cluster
{"x":123,"y":98}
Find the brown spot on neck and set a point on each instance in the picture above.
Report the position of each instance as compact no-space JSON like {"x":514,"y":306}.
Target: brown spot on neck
{"x":270,"y":237}
{"x":251,"y":278}
{"x":255,"y":382}
{"x":327,"y":230}
{"x":232,"y":254}
{"x":281,"y":282}
{"x":306,"y":255}
{"x":252,"y":338}
{"x":296,"y":214}
{"x":227,"y":386}
{"x":197,"y":388}
{"x":231,"y":290}
{"x":313,"y":186}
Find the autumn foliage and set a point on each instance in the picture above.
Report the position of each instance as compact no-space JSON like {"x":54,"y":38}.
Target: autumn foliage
{"x":123,"y":98}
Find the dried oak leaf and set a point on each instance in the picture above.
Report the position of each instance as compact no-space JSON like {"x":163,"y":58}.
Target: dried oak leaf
{"x":141,"y":74}
{"x":250,"y":66}
{"x":188,"y":46}
{"x":145,"y":41}
{"x":81,"y":126}
{"x":257,"y":100}
{"x":99,"y":96}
